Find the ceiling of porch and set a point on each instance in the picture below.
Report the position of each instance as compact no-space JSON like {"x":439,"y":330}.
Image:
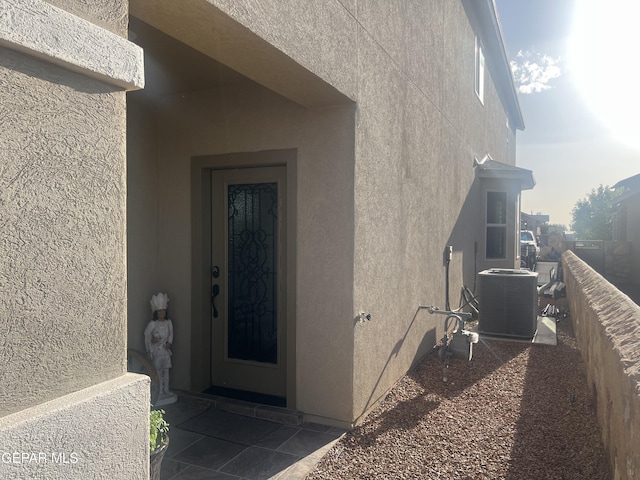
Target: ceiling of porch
{"x":172,"y":67}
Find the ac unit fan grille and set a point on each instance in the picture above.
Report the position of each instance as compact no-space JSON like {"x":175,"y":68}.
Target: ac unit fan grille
{"x":508,"y":301}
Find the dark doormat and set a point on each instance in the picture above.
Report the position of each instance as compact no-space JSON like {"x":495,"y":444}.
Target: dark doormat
{"x":253,"y":397}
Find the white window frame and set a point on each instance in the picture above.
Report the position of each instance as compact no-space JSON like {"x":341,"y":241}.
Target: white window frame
{"x":479,"y":71}
{"x":518,"y":228}
{"x":493,"y":225}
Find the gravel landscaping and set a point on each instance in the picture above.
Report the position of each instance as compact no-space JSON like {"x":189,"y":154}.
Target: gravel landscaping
{"x":517,"y":411}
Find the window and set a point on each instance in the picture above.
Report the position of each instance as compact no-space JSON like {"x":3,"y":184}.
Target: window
{"x":526,"y":236}
{"x":479,"y":75}
{"x":518,"y":222}
{"x":496,"y":225}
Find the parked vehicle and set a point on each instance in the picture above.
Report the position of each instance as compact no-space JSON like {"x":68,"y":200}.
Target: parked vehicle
{"x":529,"y":249}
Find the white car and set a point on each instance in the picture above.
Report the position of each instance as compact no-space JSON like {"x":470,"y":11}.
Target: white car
{"x":529,"y":249}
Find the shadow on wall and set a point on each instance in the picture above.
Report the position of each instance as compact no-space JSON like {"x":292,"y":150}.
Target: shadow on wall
{"x":465,"y":239}
{"x":428,"y":341}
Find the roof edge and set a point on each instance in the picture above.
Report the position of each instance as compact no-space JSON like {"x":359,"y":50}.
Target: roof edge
{"x":499,"y":170}
{"x":488,"y":20}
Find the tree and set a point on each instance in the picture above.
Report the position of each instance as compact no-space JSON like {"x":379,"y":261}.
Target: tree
{"x":593,"y":215}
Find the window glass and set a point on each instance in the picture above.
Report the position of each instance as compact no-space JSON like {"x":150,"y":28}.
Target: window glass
{"x":479,"y":73}
{"x":496,"y":225}
{"x":526,"y":236}
{"x":496,"y":242}
{"x":252,"y":326}
{"x":497,"y":207}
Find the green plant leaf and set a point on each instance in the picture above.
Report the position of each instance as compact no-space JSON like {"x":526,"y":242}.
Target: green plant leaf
{"x":158,"y":429}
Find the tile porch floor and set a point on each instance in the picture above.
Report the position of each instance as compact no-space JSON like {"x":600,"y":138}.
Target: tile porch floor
{"x":216,"y":438}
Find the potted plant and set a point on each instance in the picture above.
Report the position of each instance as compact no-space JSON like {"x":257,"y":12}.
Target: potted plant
{"x":158,"y":442}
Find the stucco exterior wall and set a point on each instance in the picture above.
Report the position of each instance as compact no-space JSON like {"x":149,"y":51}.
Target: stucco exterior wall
{"x":393,"y":195}
{"x":64,"y":276}
{"x":417,"y":132}
{"x":101,"y":432}
{"x":321,"y":37}
{"x":112,"y":15}
{"x":410,"y":68}
{"x":607,"y":329}
{"x":245,"y":118}
{"x":63,"y":266}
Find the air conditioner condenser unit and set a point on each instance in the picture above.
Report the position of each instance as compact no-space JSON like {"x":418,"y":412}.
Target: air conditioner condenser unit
{"x":508,"y":303}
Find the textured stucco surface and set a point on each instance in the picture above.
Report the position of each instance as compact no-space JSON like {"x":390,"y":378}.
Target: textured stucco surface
{"x":375,"y":213}
{"x":101,"y":432}
{"x":321,"y":37}
{"x":67,"y":407}
{"x":418,"y":128}
{"x":62,"y":192}
{"x":250,"y":118}
{"x":607,"y":325}
{"x":112,"y":15}
{"x":38,"y":29}
{"x":258,"y":56}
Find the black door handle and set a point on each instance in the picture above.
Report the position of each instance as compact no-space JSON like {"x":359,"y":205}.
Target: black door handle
{"x":215,"y":291}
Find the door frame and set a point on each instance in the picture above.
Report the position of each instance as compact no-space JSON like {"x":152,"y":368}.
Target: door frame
{"x":201,"y":166}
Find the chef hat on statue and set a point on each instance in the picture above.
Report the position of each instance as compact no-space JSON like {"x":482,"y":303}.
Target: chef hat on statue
{"x":159,"y":302}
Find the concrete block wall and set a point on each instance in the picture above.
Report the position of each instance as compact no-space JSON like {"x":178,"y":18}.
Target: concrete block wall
{"x":607,"y":326}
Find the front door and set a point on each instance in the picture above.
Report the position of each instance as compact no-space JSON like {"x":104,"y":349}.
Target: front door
{"x":248,"y":349}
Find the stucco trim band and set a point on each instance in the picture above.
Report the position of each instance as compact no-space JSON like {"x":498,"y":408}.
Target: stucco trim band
{"x":41,"y":30}
{"x":99,"y":431}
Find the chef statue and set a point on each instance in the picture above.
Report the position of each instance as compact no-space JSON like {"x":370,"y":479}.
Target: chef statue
{"x":158,"y":339}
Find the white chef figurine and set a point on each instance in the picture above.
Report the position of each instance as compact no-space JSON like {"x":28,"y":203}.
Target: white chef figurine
{"x":158,"y":340}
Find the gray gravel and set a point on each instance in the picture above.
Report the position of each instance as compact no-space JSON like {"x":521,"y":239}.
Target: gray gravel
{"x":517,"y":411}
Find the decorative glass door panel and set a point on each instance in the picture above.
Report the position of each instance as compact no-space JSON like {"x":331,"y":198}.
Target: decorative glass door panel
{"x":248,"y":246}
{"x":252,"y":272}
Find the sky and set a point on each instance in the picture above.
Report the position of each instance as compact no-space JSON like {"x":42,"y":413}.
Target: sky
{"x":576,"y":71}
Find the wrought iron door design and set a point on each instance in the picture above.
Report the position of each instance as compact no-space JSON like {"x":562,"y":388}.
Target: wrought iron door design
{"x":252,"y":272}
{"x":248,"y":282}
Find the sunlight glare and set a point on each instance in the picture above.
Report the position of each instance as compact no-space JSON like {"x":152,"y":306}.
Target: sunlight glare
{"x":603,"y":56}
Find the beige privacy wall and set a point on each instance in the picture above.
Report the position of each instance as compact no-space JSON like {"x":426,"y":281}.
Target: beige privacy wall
{"x":607,"y":325}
